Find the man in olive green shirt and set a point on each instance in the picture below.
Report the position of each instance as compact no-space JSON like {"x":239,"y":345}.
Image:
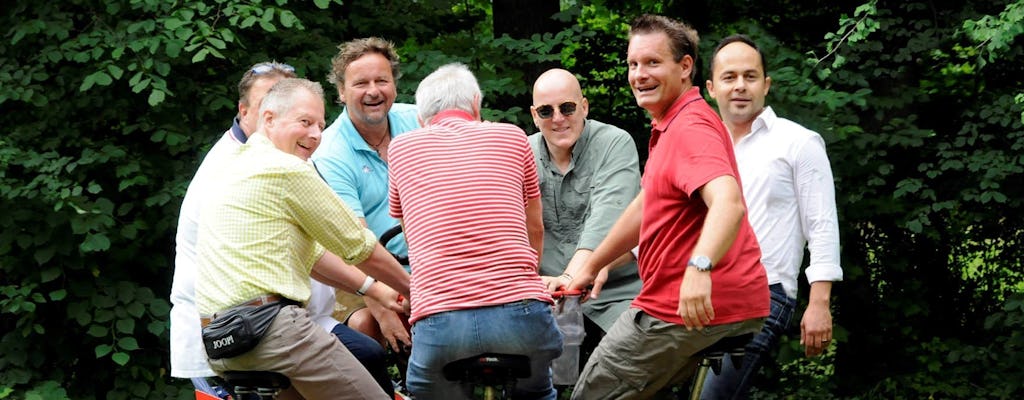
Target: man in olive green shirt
{"x":589,"y":172}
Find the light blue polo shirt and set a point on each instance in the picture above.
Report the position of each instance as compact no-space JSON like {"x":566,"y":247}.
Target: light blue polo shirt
{"x":358,"y":175}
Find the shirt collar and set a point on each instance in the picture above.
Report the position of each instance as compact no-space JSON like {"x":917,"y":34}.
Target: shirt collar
{"x":237,"y":133}
{"x":352,"y":134}
{"x":764,"y":120}
{"x":690,"y":96}
{"x":451,"y":114}
{"x":577,"y":148}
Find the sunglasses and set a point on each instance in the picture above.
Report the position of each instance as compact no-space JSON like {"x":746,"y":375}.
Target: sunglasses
{"x":547,"y":111}
{"x":266,"y":68}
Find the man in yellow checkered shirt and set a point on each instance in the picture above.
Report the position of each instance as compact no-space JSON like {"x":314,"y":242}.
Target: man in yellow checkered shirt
{"x":264,"y":233}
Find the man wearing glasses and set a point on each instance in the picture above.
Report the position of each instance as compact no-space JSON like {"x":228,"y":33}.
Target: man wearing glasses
{"x":589,"y":172}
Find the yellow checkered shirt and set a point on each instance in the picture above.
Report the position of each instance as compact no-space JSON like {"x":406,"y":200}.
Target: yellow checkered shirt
{"x":261,"y":229}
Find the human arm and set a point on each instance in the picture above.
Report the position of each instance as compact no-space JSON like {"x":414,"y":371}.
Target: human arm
{"x":623,"y":236}
{"x":535,"y":226}
{"x":331,"y":270}
{"x":320,"y":213}
{"x":381,"y":300}
{"x":555,"y":282}
{"x":384,"y":268}
{"x":614,"y":182}
{"x":820,"y":225}
{"x":391,"y":323}
{"x":726,"y":210}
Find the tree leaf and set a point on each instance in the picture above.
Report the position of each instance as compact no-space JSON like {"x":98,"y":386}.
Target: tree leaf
{"x":121,"y":358}
{"x":128,"y":343}
{"x":103,"y":349}
{"x":156,"y":97}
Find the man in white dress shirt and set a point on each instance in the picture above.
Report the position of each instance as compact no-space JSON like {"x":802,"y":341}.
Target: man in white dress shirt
{"x":787,"y":183}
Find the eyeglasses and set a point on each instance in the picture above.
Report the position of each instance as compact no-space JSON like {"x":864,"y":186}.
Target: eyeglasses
{"x":547,"y":111}
{"x":266,"y":68}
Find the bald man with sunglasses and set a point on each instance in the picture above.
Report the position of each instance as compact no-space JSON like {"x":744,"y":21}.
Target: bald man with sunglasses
{"x":589,"y":172}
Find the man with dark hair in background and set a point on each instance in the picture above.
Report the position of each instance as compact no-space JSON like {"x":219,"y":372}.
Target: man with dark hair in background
{"x":788,"y":187}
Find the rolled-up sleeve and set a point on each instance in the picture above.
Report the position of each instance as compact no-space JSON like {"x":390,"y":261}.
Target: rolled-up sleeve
{"x":326,"y":218}
{"x":819,"y":217}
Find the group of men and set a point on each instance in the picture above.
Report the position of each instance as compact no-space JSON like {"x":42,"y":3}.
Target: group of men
{"x":283,"y":210}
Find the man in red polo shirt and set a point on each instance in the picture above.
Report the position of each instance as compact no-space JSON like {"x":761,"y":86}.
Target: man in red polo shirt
{"x":698,"y":258}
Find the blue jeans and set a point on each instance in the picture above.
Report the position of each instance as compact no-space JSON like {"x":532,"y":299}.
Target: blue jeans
{"x":734,"y":383}
{"x":369,"y":353}
{"x":522,"y":327}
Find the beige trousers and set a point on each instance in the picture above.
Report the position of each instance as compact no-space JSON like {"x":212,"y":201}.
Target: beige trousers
{"x":641,"y":355}
{"x":315,"y":361}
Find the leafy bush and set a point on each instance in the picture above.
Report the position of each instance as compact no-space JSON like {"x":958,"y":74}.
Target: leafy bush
{"x":109,"y":105}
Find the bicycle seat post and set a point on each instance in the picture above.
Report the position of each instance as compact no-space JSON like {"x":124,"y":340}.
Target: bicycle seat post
{"x":495,"y":373}
{"x":711,"y":358}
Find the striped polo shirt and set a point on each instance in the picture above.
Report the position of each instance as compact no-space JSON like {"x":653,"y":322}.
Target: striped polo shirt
{"x":460,"y":186}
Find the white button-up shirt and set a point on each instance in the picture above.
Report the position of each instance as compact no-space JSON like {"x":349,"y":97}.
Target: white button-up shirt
{"x":790,"y":195}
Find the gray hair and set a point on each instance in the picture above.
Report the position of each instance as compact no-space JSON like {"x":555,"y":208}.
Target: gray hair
{"x":452,"y":86}
{"x":279,"y":98}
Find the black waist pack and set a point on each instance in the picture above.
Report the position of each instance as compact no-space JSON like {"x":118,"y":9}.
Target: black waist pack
{"x":237,"y":330}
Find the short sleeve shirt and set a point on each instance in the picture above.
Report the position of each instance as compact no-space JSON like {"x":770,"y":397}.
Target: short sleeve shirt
{"x":689,"y":147}
{"x":358,"y":175}
{"x":262,"y":231}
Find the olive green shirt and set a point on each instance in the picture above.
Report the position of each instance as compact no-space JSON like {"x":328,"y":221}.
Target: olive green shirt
{"x":581,"y":205}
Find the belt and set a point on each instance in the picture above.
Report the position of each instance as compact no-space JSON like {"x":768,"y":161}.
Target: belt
{"x":260,"y":300}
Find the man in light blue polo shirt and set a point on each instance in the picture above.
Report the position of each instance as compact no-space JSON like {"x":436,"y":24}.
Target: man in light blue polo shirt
{"x":353,"y":155}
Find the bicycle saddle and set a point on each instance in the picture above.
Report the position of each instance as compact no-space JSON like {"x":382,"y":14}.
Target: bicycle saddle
{"x":488,"y":368}
{"x":256,"y":379}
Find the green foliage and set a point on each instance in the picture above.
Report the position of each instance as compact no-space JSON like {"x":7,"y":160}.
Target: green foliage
{"x":100,"y":100}
{"x":109,"y":106}
{"x":976,"y":369}
{"x":924,"y":142}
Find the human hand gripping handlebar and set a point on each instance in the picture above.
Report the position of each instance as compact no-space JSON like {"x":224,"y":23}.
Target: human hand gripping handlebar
{"x":585,"y":278}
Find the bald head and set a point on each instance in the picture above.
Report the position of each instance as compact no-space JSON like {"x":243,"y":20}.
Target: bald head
{"x":557,"y":80}
{"x":559,"y":109}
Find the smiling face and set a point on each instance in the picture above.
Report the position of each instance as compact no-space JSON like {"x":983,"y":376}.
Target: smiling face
{"x":369,"y":90}
{"x":738,"y":84}
{"x":297,"y":130}
{"x":656,"y":79}
{"x":554,"y":88}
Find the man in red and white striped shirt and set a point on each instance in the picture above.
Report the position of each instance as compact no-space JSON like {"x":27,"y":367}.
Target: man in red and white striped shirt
{"x":466,"y":192}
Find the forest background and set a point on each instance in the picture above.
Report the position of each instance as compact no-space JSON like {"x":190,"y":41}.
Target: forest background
{"x":107,"y":107}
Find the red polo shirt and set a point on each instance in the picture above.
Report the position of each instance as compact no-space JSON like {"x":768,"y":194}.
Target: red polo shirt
{"x":689,"y":147}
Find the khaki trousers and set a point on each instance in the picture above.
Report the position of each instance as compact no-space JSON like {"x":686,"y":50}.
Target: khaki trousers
{"x":317,"y":364}
{"x":641,"y":354}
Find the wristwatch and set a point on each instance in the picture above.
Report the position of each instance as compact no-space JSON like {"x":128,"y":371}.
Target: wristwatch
{"x":702,"y":263}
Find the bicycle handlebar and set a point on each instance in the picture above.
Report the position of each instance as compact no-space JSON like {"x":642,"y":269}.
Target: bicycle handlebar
{"x":391,"y":234}
{"x":568,"y":293}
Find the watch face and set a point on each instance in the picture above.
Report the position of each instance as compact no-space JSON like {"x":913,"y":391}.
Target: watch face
{"x":702,"y":263}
